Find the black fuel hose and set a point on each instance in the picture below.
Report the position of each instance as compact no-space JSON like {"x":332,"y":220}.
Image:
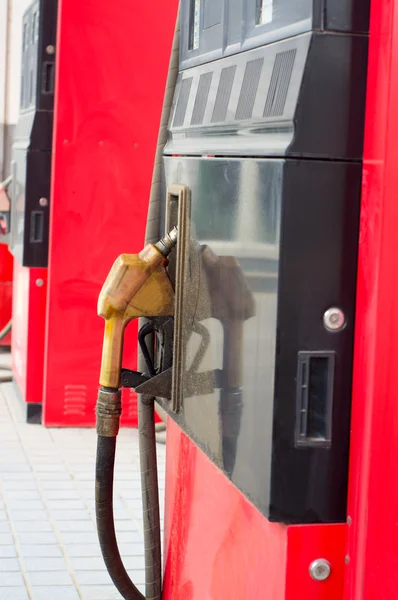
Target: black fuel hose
{"x":105,"y":523}
{"x":150,"y":497}
{"x":108,"y":423}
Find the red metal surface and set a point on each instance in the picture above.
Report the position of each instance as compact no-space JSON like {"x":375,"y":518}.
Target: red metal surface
{"x":218,"y":546}
{"x":372,"y":572}
{"x":6,"y":269}
{"x":112,"y":62}
{"x":28,"y":313}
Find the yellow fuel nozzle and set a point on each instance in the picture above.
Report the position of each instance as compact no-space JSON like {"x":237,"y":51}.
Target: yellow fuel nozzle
{"x":137,"y":286}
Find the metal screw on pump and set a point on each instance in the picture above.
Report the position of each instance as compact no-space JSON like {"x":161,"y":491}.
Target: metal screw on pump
{"x":39,"y":282}
{"x":320,"y":569}
{"x":334,"y":319}
{"x":43,"y":202}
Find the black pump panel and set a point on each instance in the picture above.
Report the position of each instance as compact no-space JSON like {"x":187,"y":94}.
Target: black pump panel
{"x":31,"y":152}
{"x":266,"y":130}
{"x":212,"y":29}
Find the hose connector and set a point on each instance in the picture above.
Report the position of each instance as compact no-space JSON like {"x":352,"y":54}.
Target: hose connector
{"x":109,"y":410}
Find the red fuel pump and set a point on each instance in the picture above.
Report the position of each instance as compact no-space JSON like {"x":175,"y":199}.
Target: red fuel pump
{"x":6,"y":268}
{"x":90,"y":202}
{"x":275,"y":490}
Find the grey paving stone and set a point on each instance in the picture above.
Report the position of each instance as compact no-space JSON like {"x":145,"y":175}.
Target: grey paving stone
{"x":42,"y":537}
{"x":7,"y":552}
{"x":6,"y":539}
{"x":38,"y":550}
{"x":133,"y":494}
{"x":33,"y":526}
{"x":66,"y":505}
{"x":138,"y":577}
{"x":57,"y":487}
{"x":22,"y":504}
{"x":48,"y":593}
{"x":14,"y":469}
{"x":53,"y":467}
{"x":53,"y":477}
{"x":79,"y":538}
{"x":11,"y":476}
{"x":70,"y":515}
{"x":47,"y":578}
{"x":13,"y":485}
{"x":76,"y":526}
{"x":47,"y":564}
{"x":121,"y":514}
{"x":61,"y":494}
{"x":96,"y":563}
{"x":13,"y":593}
{"x":9,"y":565}
{"x":63,"y":483}
{"x":129,"y":537}
{"x":104,"y":592}
{"x":22,"y":494}
{"x":131,"y":549}
{"x":77,"y":550}
{"x":85,"y":476}
{"x":93,"y":578}
{"x":12,"y":579}
{"x":91,"y":563}
{"x":28,"y":515}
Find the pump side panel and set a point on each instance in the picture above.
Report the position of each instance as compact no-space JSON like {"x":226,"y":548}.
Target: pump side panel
{"x":109,"y":95}
{"x":372,"y":572}
{"x":6,"y":269}
{"x":218,"y":546}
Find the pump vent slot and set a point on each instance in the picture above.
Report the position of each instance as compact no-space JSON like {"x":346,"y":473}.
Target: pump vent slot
{"x":182,"y":102}
{"x":48,"y":79}
{"x":201,"y":99}
{"x":279,"y":84}
{"x":223,"y":94}
{"x":37,"y":226}
{"x":315,"y":376}
{"x":249,"y":89}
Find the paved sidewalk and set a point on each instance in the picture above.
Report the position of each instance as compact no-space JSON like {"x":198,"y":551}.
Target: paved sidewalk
{"x":48,"y":542}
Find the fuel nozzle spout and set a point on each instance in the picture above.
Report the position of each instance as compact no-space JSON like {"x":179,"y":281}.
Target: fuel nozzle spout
{"x":166,"y":244}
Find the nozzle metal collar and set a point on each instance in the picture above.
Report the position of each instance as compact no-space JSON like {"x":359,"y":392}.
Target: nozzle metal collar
{"x":166,"y":244}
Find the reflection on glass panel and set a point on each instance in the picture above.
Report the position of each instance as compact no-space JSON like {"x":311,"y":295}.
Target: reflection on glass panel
{"x":280,"y":13}
{"x":264,"y":11}
{"x":229,"y":281}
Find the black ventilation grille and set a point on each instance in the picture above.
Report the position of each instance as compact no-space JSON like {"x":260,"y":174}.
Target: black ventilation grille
{"x":223,"y":94}
{"x":182,"y":102}
{"x":201,"y":99}
{"x":279,"y":84}
{"x":249,"y":89}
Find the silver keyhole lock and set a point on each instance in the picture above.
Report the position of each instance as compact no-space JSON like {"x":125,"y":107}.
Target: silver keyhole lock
{"x":334,"y":319}
{"x":320,"y":569}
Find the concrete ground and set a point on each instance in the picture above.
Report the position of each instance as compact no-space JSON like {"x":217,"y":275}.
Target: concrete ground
{"x":48,"y":541}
